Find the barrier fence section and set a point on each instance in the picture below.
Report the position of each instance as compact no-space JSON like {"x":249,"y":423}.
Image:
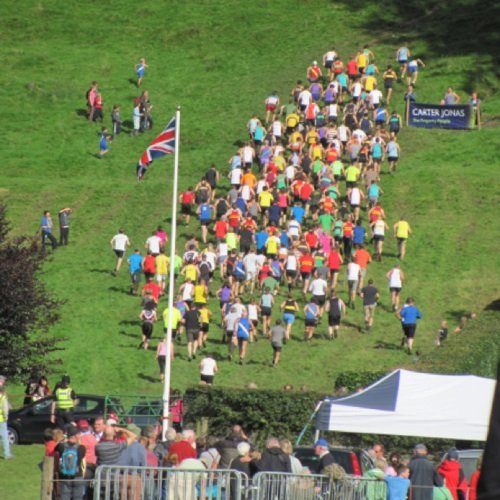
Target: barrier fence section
{"x":160,"y":483}
{"x":281,"y":486}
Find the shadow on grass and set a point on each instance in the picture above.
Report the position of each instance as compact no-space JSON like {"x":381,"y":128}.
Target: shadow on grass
{"x":102,"y":271}
{"x":148,"y":378}
{"x":493,"y":306}
{"x":380,"y":344}
{"x":457,"y":314}
{"x":81,"y":112}
{"x":127,"y":334}
{"x":125,"y":291}
{"x":131,"y":322}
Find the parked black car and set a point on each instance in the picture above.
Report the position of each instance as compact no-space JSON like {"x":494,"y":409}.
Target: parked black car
{"x":27,"y":424}
{"x":354,"y":461}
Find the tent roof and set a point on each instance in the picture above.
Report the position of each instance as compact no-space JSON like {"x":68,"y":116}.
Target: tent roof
{"x":414,"y":404}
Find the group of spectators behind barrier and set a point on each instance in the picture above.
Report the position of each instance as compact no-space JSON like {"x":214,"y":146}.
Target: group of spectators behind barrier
{"x":162,"y":483}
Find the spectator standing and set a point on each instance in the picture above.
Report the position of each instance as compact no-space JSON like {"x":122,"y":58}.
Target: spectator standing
{"x":273,"y":459}
{"x":423,"y":476}
{"x":70,"y":456}
{"x":61,"y":410}
{"x":453,"y":475}
{"x":325,"y":458}
{"x":398,"y":486}
{"x":4,"y":416}
{"x":46,"y":227}
{"x":64,"y":214}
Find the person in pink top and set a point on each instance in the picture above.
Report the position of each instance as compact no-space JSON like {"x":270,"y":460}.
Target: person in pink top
{"x":88,"y":440}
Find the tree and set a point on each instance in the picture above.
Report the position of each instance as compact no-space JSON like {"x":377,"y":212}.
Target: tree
{"x":26,"y":308}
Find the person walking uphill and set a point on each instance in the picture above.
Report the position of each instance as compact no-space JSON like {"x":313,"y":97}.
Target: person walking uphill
{"x":64,"y":214}
{"x":409,"y":314}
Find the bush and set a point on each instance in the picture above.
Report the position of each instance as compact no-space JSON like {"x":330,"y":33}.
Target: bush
{"x":351,"y":381}
{"x":262,"y":413}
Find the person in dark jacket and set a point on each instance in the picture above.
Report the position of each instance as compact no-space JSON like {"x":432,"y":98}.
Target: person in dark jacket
{"x":423,"y":476}
{"x":453,"y":475}
{"x":273,"y":459}
{"x":324,"y":456}
{"x":227,"y":446}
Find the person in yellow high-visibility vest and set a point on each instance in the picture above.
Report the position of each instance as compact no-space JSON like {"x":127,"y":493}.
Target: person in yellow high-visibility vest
{"x":401,"y":231}
{"x":4,"y":416}
{"x":62,"y":407}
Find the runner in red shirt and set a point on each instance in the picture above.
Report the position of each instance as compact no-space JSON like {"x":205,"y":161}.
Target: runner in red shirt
{"x":348,"y":231}
{"x":312,"y":239}
{"x":187,"y":199}
{"x":151,"y":288}
{"x":234,"y":217}
{"x":220,"y":228}
{"x":375,"y":211}
{"x":305,"y":193}
{"x":335,"y":260}
{"x":352,"y":68}
{"x":362,"y":257}
{"x":306,"y":266}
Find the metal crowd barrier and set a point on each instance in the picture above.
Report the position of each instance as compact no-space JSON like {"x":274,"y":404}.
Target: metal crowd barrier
{"x":162,"y":483}
{"x":281,"y":486}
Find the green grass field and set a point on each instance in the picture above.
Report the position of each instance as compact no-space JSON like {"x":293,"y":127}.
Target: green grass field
{"x":220,"y":61}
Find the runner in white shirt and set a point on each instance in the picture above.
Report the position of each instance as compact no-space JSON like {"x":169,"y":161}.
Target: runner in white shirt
{"x":119,"y":243}
{"x":247,"y":155}
{"x":291,"y":267}
{"x":353,"y":276}
{"x":356,"y":90}
{"x":395,"y":277}
{"x":305,"y":98}
{"x":235,"y":177}
{"x":208,"y":369}
{"x":251,"y":263}
{"x":222,"y":252}
{"x":260,"y":186}
{"x":187,"y":291}
{"x":375,"y":98}
{"x":290,"y":173}
{"x":211,"y":257}
{"x":318,"y":288}
{"x":153,"y":244}
{"x":355,"y":198}
{"x":293,"y":230}
{"x":344,"y":133}
{"x":253,"y":317}
{"x":359,"y":135}
{"x":378,"y":228}
{"x":276,"y":130}
{"x":246,"y":192}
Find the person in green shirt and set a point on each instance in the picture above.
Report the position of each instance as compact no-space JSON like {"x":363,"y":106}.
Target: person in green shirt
{"x":326,"y":220}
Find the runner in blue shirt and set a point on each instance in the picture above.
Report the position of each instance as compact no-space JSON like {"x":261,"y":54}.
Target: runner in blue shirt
{"x":409,"y":314}
{"x":103,"y":143}
{"x":311,"y":312}
{"x":135,"y":268}
{"x":242,"y":328}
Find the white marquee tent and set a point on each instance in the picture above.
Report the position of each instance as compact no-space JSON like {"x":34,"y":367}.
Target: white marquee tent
{"x":409,"y":403}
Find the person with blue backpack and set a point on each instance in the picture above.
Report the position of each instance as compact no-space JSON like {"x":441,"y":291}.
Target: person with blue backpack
{"x":205,"y":213}
{"x":71,"y":465}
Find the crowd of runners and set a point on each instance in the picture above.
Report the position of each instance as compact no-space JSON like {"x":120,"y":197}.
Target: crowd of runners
{"x":293,"y":238}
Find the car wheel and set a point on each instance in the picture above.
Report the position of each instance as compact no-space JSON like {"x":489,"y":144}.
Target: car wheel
{"x":13,"y":435}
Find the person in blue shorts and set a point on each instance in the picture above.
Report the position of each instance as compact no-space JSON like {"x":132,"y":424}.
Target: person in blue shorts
{"x":140,"y":70}
{"x":103,"y":143}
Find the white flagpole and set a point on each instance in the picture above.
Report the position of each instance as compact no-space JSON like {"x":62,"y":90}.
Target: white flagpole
{"x":171,"y":284}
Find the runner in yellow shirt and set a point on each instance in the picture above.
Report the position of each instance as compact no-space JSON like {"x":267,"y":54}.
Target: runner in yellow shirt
{"x":162,"y":264}
{"x":205,"y":315}
{"x":402,"y":231}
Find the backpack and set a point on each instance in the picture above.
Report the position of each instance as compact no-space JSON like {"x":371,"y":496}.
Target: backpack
{"x":68,"y":462}
{"x":334,"y":472}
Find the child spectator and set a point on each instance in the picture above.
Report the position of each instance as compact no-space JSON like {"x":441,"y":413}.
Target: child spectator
{"x":442,"y":333}
{"x":117,"y":122}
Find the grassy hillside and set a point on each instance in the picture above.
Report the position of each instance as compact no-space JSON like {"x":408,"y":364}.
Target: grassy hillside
{"x":219,"y":61}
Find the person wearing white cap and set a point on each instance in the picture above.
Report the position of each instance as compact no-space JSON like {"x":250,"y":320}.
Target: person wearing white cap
{"x":314,"y":72}
{"x":4,"y":416}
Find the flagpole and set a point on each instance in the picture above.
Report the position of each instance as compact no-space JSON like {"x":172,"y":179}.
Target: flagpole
{"x":171,"y":284}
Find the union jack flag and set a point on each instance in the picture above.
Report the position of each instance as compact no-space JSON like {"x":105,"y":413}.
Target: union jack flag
{"x":162,"y":145}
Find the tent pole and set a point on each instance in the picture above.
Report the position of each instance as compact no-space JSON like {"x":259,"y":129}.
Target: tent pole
{"x":308,"y":423}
